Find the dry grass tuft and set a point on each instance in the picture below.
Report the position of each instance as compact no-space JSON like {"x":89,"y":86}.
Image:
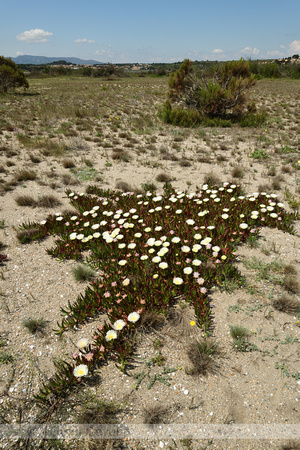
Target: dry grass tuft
{"x":286,"y":304}
{"x":154,"y":414}
{"x":202,"y":356}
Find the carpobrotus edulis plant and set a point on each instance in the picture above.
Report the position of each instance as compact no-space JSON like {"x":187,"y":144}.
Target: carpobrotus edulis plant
{"x":152,"y":249}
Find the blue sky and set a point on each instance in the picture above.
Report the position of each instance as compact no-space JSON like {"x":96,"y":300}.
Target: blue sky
{"x":120,"y":31}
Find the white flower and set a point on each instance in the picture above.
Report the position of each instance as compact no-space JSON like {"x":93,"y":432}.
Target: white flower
{"x":177,"y":281}
{"x":119,"y":236}
{"x":147,"y":229}
{"x":82,"y":343}
{"x":156,"y":259}
{"x":110,"y":335}
{"x":96,"y":226}
{"x":133,"y":317}
{"x":80,"y":371}
{"x":175,"y":240}
{"x":85,"y":239}
{"x":273,"y":215}
{"x":59,"y":218}
{"x":185,"y":249}
{"x":158,"y":243}
{"x":197,"y":236}
{"x":159,"y":228}
{"x":163,"y":265}
{"x":103,"y":223}
{"x":95,"y":208}
{"x":224,"y":216}
{"x":217,"y":200}
{"x":138,"y":235}
{"x":79,"y":237}
{"x":196,"y":262}
{"x":126,"y":282}
{"x":211,"y":227}
{"x":151,"y":242}
{"x":269,"y":208}
{"x":166,"y":244}
{"x":132,"y":211}
{"x":71,"y":194}
{"x":178,"y":211}
{"x":122,"y":262}
{"x":162,"y":251}
{"x":157,"y":199}
{"x":206,"y":241}
{"x":151,"y":211}
{"x":132,"y":245}
{"x":119,"y":325}
{"x":190,"y":221}
{"x":126,"y":214}
{"x":86,"y":213}
{"x":73,"y":236}
{"x":144,"y":257}
{"x":243,"y":226}
{"x":281,"y":205}
{"x":122,"y":245}
{"x":155,"y":276}
{"x":196,"y":248}
{"x":96,"y":235}
{"x":73,"y":218}
{"x":187,"y":270}
{"x":173,"y":199}
{"x":216,"y":249}
{"x":151,"y":250}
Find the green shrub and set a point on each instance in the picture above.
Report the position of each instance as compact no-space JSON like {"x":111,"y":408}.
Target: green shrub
{"x":220,"y":92}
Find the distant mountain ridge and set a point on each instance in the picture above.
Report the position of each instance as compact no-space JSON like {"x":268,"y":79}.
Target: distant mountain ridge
{"x":29,"y":59}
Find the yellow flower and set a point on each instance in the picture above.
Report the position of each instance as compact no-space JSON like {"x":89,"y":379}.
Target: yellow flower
{"x":192,"y":323}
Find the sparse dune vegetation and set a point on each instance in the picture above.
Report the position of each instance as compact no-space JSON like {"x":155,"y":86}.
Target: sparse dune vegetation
{"x":149,"y":252}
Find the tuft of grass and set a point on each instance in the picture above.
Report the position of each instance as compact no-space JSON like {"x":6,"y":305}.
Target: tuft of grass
{"x":290,"y":283}
{"x":83,"y":273}
{"x":149,"y":187}
{"x":154,"y":414}
{"x":26,"y":236}
{"x":34,"y":325}
{"x":240,"y":336}
{"x":164,"y":178}
{"x":26,"y":200}
{"x":238,"y":172}
{"x":202,"y":356}
{"x":212,"y":179}
{"x":48,"y":201}
{"x":25,"y":175}
{"x":35,"y":158}
{"x":68,"y":163}
{"x":124,"y":186}
{"x":5,"y":357}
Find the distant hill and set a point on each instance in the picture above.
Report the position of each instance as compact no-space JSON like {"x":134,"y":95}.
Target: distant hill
{"x":28,"y":59}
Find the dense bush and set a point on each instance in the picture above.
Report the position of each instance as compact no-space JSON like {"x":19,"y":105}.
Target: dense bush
{"x":10,"y":76}
{"x":218,"y":93}
{"x":215,"y":96}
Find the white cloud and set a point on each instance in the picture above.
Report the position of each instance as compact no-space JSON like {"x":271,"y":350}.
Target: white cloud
{"x":246,"y":50}
{"x":282,"y":46}
{"x":84,"y":41}
{"x":34,"y":36}
{"x":295,"y":47}
{"x":255,"y":51}
{"x":20,"y":53}
{"x":274,"y":53}
{"x":217,"y":51}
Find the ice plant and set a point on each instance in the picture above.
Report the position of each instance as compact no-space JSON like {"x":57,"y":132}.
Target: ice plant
{"x":81,"y":371}
{"x":133,"y":317}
